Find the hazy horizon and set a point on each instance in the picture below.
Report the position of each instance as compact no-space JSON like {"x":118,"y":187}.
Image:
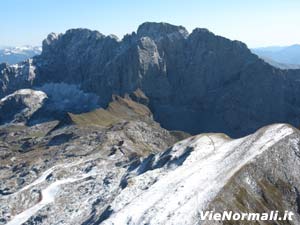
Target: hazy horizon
{"x":256,"y":23}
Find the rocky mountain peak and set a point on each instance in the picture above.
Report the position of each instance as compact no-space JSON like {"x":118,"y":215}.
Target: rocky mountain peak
{"x":51,"y":38}
{"x":205,"y":35}
{"x":183,"y":76}
{"x":72,"y":37}
{"x":159,"y":30}
{"x":83,"y":33}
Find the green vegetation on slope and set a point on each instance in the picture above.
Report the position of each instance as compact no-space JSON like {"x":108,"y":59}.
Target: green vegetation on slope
{"x":119,"y":109}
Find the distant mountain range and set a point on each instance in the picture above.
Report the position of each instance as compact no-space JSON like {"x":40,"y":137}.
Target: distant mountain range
{"x":287,"y":57}
{"x":12,"y":55}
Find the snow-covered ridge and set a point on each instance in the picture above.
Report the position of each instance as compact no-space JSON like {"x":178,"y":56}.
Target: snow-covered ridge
{"x":166,"y":188}
{"x":175,"y":194}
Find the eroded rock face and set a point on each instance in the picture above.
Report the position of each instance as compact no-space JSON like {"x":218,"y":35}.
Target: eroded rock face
{"x":211,"y":83}
{"x":96,"y":176}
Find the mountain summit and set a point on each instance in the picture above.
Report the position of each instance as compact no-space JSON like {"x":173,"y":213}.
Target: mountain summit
{"x":160,"y":30}
{"x":211,"y":83}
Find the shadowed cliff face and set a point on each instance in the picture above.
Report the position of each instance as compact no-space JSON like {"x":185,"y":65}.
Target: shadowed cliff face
{"x":196,"y":82}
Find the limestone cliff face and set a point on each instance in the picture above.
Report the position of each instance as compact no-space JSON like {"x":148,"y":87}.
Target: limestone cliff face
{"x":209,"y":82}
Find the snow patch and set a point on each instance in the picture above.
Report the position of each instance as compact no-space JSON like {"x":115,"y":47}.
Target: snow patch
{"x":49,"y":193}
{"x":48,"y":196}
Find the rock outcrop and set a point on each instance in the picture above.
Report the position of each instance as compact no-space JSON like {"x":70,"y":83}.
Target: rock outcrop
{"x":20,"y":106}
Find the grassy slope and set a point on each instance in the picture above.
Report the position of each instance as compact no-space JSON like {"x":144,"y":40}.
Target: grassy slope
{"x":118,"y":110}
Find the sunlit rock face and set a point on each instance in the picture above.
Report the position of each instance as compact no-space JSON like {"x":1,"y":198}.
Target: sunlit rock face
{"x":113,"y":175}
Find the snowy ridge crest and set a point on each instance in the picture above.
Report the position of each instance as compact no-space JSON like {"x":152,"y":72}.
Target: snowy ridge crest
{"x":163,"y":189}
{"x":167,"y":195}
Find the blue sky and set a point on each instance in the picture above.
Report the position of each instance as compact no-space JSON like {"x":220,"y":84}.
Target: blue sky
{"x":255,"y":22}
